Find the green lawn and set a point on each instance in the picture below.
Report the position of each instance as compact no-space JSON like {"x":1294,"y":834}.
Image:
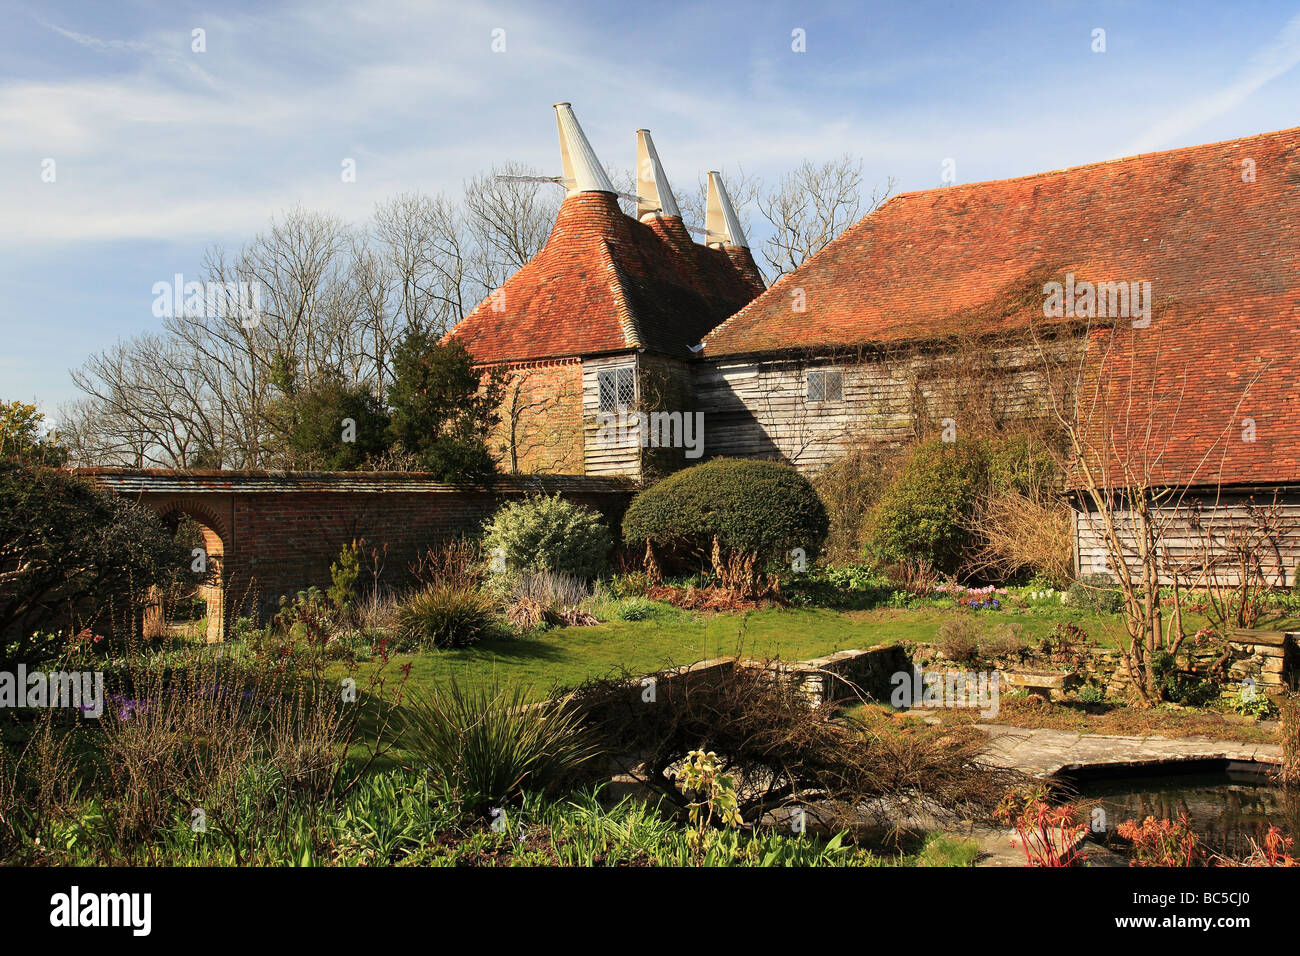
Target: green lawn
{"x":565,"y":656}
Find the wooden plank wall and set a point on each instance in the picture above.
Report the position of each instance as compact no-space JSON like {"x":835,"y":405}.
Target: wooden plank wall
{"x":759,"y":409}
{"x":1187,"y":537}
{"x":610,"y":457}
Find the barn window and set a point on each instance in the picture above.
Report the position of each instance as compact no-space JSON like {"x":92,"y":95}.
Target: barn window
{"x":826,"y":385}
{"x":617,"y":387}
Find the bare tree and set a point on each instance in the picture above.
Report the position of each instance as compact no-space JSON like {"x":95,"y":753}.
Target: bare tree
{"x":424,"y":250}
{"x":509,"y":217}
{"x":1239,"y":558}
{"x":1120,"y":414}
{"x":332,"y":301}
{"x":148,"y":406}
{"x":812,"y":205}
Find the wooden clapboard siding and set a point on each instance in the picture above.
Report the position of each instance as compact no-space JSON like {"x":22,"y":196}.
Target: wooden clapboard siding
{"x":1186,"y":540}
{"x":606,"y":454}
{"x":758,"y":408}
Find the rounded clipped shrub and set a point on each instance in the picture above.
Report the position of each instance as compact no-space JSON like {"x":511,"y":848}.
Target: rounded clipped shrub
{"x":762,"y":507}
{"x":543,"y":533}
{"x":923,"y":514}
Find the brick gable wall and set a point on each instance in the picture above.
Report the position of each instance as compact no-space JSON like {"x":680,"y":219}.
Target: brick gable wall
{"x":541,"y":419}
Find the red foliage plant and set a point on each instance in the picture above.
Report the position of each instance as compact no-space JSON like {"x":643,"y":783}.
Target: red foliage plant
{"x":1275,"y":851}
{"x":1050,"y":836}
{"x":1163,"y":842}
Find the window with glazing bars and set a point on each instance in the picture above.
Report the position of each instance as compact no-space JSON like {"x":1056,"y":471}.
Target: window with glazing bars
{"x":617,"y":387}
{"x":826,"y":385}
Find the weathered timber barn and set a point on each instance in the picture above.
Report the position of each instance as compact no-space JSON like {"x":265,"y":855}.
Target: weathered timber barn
{"x":1169,"y":283}
{"x":600,"y":325}
{"x":1165,"y":287}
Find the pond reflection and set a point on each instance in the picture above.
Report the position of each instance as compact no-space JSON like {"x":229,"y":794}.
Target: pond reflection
{"x":1227,"y":811}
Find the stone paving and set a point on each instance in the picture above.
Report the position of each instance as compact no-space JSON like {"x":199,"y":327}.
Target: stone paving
{"x":1043,"y":752}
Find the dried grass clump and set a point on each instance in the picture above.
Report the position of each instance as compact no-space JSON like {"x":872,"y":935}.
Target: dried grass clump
{"x":526,"y":614}
{"x":784,"y":752}
{"x":1291,"y":741}
{"x":38,"y":787}
{"x":200,"y":732}
{"x":957,"y":639}
{"x":545,"y":598}
{"x":1006,"y":642}
{"x":1016,"y":533}
{"x":715,"y":600}
{"x":379,"y":611}
{"x":552,"y":588}
{"x":738,"y":571}
{"x":454,"y":563}
{"x":916,"y":576}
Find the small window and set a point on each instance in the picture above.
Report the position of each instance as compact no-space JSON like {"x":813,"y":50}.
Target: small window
{"x":826,"y":386}
{"x":617,"y":387}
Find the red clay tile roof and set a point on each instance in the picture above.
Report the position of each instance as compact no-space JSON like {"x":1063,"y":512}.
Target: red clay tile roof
{"x":603,"y":283}
{"x":1222,"y":256}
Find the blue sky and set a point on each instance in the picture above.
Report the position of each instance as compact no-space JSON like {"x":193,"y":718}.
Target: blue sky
{"x":161,"y":152}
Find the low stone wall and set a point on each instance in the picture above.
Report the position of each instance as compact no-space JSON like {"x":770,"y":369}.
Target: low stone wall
{"x":1270,"y":658}
{"x":1267,"y":657}
{"x":844,"y":675}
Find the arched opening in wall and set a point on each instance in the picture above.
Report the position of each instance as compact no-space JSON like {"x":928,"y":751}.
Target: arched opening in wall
{"x":196,"y":608}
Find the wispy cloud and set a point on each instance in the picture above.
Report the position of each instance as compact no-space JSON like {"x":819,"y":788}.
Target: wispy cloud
{"x":95,"y":43}
{"x":162,"y":151}
{"x":172,"y":55}
{"x":1266,"y":64}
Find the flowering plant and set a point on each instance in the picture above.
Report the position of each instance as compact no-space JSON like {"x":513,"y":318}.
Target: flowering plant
{"x":985,"y":598}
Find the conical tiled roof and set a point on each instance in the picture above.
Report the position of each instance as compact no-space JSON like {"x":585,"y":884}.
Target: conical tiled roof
{"x":605,"y":282}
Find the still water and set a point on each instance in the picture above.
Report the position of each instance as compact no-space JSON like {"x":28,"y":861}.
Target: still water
{"x":1226,"y":809}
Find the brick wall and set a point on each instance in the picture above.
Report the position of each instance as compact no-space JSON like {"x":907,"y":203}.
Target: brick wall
{"x":541,"y":419}
{"x":288,"y":541}
{"x":276,"y":533}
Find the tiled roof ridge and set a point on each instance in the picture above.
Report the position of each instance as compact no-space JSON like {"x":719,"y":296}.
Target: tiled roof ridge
{"x":1095,"y":164}
{"x":626,"y":315}
{"x":863,"y":227}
